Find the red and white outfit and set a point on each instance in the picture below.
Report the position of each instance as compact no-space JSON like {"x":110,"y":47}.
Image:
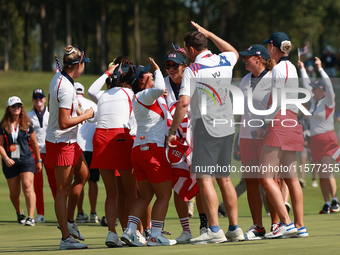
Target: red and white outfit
{"x":61,"y":145}
{"x":112,"y":142}
{"x":184,"y":182}
{"x":323,"y":140}
{"x":250,"y":148}
{"x":284,"y":75}
{"x":148,"y":153}
{"x":40,"y":130}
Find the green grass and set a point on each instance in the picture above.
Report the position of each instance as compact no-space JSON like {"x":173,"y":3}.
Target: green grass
{"x":44,"y":238}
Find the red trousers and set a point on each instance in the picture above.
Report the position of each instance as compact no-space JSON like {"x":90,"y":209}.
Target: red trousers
{"x":39,"y":185}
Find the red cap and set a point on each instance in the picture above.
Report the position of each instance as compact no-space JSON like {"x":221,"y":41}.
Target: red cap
{"x":176,"y":155}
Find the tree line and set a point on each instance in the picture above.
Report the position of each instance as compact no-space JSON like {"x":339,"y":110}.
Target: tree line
{"x":32,"y":31}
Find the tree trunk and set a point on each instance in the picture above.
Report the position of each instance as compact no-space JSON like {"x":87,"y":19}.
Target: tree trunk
{"x":44,"y":39}
{"x":26,"y":20}
{"x":103,"y":48}
{"x":160,"y":30}
{"x":8,"y":51}
{"x":136,"y":33}
{"x":125,"y":34}
{"x":68,"y":24}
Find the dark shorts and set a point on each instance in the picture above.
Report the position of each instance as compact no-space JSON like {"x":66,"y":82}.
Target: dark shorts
{"x":94,"y":173}
{"x":13,"y":171}
{"x":211,"y":155}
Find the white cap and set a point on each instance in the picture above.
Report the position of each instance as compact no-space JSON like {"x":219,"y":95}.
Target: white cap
{"x":79,"y":88}
{"x":13,"y":100}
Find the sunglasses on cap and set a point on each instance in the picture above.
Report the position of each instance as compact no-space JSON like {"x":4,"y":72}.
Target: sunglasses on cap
{"x":16,"y":106}
{"x":36,"y":97}
{"x":174,"y":66}
{"x":79,"y":60}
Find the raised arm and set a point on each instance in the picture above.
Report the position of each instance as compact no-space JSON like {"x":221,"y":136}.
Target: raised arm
{"x":327,"y":81}
{"x":222,"y":45}
{"x":148,"y":96}
{"x":98,"y":84}
{"x":304,"y":76}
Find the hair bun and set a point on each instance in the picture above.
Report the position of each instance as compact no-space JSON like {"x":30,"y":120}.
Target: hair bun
{"x":285,"y":46}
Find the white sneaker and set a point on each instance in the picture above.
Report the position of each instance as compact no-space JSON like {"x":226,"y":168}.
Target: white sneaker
{"x":112,"y":240}
{"x":29,"y":222}
{"x":235,"y":236}
{"x":184,"y":237}
{"x":71,"y":244}
{"x":40,"y":218}
{"x":302,"y":232}
{"x":160,"y":240}
{"x":94,"y":218}
{"x":82,"y":218}
{"x":140,"y":237}
{"x":209,"y":237}
{"x":282,"y":231}
{"x":73,"y":229}
{"x":315,"y":184}
{"x":254,"y":233}
{"x":131,"y":239}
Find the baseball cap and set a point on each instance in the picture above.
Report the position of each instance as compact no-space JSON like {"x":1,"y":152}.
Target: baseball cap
{"x":140,"y":70}
{"x":38,"y":92}
{"x":318,"y":84}
{"x":176,"y":57}
{"x":276,"y":39}
{"x":14,"y":100}
{"x":79,"y":88}
{"x":176,"y":155}
{"x":256,"y":50}
{"x":81,"y":58}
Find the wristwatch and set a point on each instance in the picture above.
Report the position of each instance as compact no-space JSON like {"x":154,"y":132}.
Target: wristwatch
{"x":171,"y":132}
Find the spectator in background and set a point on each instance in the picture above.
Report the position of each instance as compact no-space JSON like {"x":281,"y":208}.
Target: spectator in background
{"x":16,"y":134}
{"x":329,"y":61}
{"x":309,"y":64}
{"x":39,"y":118}
{"x":84,"y":139}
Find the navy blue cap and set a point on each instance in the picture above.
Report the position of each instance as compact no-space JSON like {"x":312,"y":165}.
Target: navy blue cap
{"x":256,"y":50}
{"x":139,"y":72}
{"x":318,"y":84}
{"x":176,"y":57}
{"x":38,"y":92}
{"x":276,"y":39}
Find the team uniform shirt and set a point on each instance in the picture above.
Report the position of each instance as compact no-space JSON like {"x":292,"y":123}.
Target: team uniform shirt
{"x":21,"y":138}
{"x":203,"y":81}
{"x":114,"y":105}
{"x":284,"y":75}
{"x":86,"y":129}
{"x":61,"y":95}
{"x":150,"y":114}
{"x":261,"y":100}
{"x":40,"y":122}
{"x":322,"y":118}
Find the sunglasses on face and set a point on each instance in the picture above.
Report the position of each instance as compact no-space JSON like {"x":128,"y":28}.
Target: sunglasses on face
{"x":16,"y":106}
{"x":36,"y":97}
{"x":174,"y":66}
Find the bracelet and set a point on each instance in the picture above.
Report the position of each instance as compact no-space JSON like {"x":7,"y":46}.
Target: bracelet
{"x":6,"y":159}
{"x":108,"y":73}
{"x":171,"y":132}
{"x":39,"y":160}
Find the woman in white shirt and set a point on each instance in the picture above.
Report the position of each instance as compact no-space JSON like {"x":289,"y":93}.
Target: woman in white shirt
{"x":112,"y":145}
{"x":282,"y":142}
{"x":323,"y":141}
{"x":259,"y":63}
{"x":153,"y":171}
{"x":62,"y":149}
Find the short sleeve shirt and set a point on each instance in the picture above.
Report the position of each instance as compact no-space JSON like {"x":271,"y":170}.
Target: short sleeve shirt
{"x":61,"y":95}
